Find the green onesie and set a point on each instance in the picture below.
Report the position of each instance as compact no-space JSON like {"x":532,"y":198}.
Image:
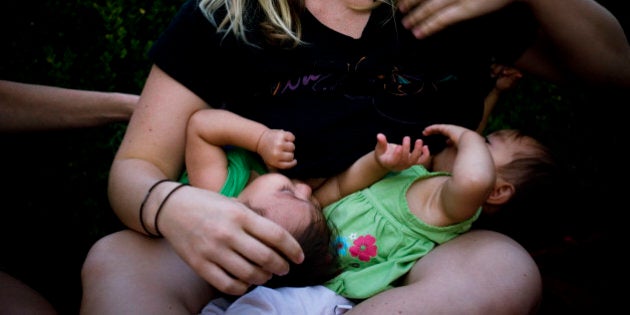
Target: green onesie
{"x":379,"y":239}
{"x":240,"y":163}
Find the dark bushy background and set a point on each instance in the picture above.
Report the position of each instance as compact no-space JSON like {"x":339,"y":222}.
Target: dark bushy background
{"x":54,"y":202}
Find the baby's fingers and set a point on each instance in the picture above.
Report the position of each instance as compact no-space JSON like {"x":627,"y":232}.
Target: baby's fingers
{"x":286,"y":164}
{"x":406,"y":145}
{"x":418,"y":151}
{"x":381,"y":144}
{"x":289,"y":136}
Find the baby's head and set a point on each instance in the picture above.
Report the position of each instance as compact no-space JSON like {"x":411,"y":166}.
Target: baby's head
{"x":524,"y":166}
{"x":290,"y":203}
{"x":530,"y":188}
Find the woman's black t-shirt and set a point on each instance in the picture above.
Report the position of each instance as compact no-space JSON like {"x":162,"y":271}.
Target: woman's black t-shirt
{"x":335,"y":93}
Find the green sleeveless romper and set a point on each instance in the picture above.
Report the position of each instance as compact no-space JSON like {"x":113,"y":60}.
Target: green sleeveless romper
{"x":379,"y":239}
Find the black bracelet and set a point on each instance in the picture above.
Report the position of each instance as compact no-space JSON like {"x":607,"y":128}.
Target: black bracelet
{"x":157,"y":213}
{"x":146,"y":197}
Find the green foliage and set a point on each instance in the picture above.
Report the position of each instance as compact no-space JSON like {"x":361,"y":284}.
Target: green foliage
{"x":56,"y":206}
{"x":99,"y":45}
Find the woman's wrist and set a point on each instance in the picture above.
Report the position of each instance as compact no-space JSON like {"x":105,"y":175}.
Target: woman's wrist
{"x":141,"y":212}
{"x":154,"y":203}
{"x":159,"y":209}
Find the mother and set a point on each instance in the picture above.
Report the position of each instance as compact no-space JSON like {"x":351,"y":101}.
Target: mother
{"x":334,"y":72}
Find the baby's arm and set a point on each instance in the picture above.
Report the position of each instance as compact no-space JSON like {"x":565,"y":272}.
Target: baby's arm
{"x":371,"y":167}
{"x":211,"y":129}
{"x":473,"y":173}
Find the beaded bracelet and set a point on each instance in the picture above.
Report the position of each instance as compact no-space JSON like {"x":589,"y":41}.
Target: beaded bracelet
{"x":146,"y":197}
{"x":157,"y":213}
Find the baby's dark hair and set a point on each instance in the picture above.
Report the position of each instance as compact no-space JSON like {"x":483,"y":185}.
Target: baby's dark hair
{"x":531,"y":170}
{"x":537,"y":179}
{"x":320,"y":256}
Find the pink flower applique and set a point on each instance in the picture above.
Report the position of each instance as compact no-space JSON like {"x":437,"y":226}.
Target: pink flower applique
{"x":364,"y":247}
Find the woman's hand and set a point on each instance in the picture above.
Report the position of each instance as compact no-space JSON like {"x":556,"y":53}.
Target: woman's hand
{"x":224,"y":242}
{"x":426,"y":17}
{"x":227,"y":244}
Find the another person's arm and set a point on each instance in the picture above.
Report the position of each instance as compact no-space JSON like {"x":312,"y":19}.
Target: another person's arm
{"x":32,"y":107}
{"x":577,"y":38}
{"x":506,"y":78}
{"x":227,"y":244}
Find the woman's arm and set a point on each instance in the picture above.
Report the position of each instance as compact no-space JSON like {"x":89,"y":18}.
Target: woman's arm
{"x":577,"y":38}
{"x":585,"y":41}
{"x":222,"y":240}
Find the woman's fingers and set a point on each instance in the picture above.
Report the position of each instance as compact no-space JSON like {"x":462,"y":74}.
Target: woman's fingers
{"x":270,"y":240}
{"x":426,"y":17}
{"x":250,"y":256}
{"x":220,"y":280}
{"x":231,"y":246}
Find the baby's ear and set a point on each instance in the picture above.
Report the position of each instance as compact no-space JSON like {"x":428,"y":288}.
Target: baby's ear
{"x":501,"y":193}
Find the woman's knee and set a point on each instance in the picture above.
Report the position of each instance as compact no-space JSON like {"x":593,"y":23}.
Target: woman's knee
{"x":130,"y":265}
{"x":109,"y":251}
{"x":484,"y":269}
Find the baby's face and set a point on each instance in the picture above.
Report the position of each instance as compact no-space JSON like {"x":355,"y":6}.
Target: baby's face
{"x":287,"y":202}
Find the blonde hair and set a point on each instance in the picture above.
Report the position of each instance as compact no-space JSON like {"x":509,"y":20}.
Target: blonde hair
{"x":280,"y":25}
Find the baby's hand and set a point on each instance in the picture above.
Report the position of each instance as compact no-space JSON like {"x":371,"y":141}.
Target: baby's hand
{"x":452,"y":132}
{"x":277,"y":148}
{"x":396,"y":157}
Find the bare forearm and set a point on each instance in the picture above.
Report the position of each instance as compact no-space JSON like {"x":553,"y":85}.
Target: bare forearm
{"x":30,"y":107}
{"x":373,"y":166}
{"x":473,"y":167}
{"x":129,"y":182}
{"x":489,"y":103}
{"x":364,"y":172}
{"x":587,"y":38}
